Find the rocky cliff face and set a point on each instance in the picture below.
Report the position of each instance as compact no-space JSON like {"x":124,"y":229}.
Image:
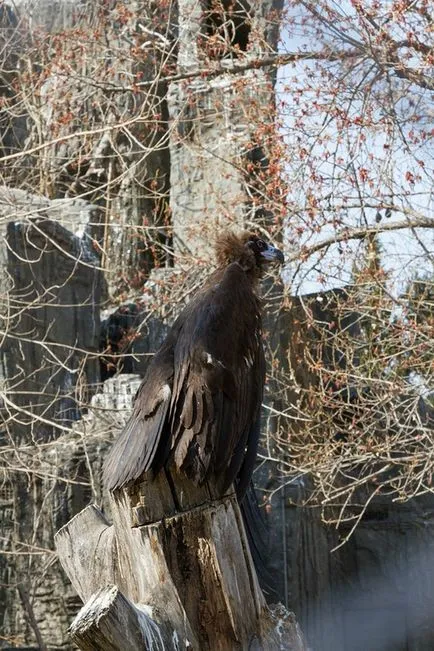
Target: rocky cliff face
{"x":50,"y":358}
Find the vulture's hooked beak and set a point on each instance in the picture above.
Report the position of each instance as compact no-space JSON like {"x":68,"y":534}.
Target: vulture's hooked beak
{"x":272,"y":254}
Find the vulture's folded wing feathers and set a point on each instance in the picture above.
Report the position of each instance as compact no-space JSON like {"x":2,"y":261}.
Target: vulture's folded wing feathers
{"x":244,"y":473}
{"x":137,"y":448}
{"x":244,"y":459}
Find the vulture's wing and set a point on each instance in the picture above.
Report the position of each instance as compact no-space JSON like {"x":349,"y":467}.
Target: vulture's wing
{"x":139,"y":445}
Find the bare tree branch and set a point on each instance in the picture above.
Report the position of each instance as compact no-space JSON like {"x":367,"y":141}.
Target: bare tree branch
{"x":348,"y":234}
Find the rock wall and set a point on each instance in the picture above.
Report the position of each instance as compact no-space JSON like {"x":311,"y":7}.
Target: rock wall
{"x":373,"y":593}
{"x":50,"y":354}
{"x":215,"y":121}
{"x":52,"y":326}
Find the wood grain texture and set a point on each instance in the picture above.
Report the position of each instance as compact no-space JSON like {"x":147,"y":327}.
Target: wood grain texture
{"x":109,"y":621}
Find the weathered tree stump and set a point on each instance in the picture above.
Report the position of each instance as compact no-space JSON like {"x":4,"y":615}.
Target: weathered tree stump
{"x":173,"y":572}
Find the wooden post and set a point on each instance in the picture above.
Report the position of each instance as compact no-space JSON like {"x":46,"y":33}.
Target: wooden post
{"x":173,"y":572}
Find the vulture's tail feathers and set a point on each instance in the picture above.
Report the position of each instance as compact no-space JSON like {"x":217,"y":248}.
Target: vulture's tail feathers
{"x":257,"y":536}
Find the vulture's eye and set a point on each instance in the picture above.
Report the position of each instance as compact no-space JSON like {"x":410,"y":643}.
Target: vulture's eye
{"x":257,"y":245}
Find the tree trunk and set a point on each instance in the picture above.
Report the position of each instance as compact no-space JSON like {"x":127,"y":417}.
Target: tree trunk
{"x":180,"y":552}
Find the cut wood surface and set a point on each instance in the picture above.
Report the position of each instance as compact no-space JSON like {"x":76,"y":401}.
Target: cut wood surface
{"x":109,"y":621}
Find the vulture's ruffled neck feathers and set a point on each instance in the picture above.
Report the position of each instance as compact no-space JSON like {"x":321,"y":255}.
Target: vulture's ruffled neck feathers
{"x":231,"y":247}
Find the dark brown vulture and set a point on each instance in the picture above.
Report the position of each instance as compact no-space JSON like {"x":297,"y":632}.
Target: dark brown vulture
{"x":200,"y":400}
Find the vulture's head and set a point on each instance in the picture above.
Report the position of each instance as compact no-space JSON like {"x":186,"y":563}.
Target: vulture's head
{"x":251,"y":252}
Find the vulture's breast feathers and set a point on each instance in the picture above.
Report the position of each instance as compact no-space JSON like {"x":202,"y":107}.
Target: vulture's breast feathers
{"x":199,"y":403}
